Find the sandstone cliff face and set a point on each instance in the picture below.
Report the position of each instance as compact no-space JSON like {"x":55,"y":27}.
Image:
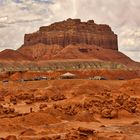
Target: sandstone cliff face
{"x":73,"y":31}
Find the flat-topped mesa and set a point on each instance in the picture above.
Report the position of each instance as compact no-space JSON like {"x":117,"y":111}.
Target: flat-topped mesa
{"x":73,"y":31}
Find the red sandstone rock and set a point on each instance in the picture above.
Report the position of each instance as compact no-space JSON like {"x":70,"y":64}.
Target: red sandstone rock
{"x":40,"y":50}
{"x":9,"y":54}
{"x":50,"y":42}
{"x":73,"y":31}
{"x":11,"y":137}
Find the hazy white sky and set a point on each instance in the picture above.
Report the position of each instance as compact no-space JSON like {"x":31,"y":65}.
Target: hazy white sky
{"x":18,"y":17}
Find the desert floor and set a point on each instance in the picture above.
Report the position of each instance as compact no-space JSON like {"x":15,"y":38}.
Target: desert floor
{"x":70,"y":110}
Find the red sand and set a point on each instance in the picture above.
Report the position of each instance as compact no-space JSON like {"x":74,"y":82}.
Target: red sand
{"x":71,"y":110}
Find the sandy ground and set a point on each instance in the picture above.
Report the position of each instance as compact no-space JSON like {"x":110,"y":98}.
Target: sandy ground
{"x":70,"y":110}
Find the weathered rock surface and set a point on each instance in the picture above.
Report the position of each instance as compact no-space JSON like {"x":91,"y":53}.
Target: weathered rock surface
{"x":11,"y":137}
{"x":9,"y":54}
{"x":73,"y":31}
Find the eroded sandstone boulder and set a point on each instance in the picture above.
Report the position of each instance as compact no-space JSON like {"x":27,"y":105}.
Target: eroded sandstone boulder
{"x":11,"y":137}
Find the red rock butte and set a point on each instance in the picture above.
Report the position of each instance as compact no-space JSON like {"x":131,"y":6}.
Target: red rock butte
{"x":67,"y":44}
{"x":73,"y":31}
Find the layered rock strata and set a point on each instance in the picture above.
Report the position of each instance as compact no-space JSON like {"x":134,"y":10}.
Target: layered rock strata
{"x":73,"y":31}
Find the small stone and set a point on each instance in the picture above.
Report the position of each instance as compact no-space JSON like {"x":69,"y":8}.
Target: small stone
{"x":114,"y":114}
{"x":86,"y":130}
{"x":11,"y":137}
{"x":135,"y":122}
{"x":102,"y":126}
